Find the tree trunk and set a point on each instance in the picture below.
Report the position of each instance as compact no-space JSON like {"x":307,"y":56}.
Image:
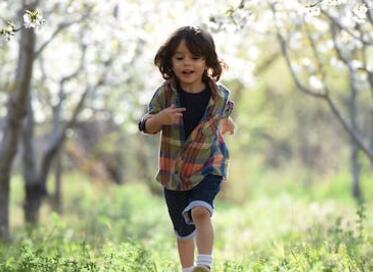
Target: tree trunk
{"x":370,"y":132}
{"x":33,"y":188}
{"x":17,"y":109}
{"x":354,"y":160}
{"x":58,"y":138}
{"x":355,"y":172}
{"x":57,"y":196}
{"x":4,"y":210}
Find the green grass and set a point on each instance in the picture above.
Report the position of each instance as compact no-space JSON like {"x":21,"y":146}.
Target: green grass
{"x":280,"y":226}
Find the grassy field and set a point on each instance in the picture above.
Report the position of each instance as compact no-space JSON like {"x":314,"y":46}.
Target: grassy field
{"x":277,"y":227}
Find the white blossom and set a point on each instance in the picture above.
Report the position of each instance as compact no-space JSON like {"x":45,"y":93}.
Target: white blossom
{"x":348,"y":19}
{"x":370,"y":67}
{"x":355,"y":64}
{"x":253,"y":52}
{"x":292,"y":4}
{"x":312,"y":11}
{"x":337,"y":64}
{"x":306,"y":62}
{"x":3,"y":9}
{"x":8,"y":31}
{"x":33,"y":19}
{"x":315,"y":83}
{"x":360,"y":13}
{"x":333,"y":2}
{"x":241,"y":17}
{"x":320,"y":24}
{"x":295,"y":41}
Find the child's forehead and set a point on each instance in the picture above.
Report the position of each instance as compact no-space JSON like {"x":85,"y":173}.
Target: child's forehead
{"x":185,"y":47}
{"x":182,"y":47}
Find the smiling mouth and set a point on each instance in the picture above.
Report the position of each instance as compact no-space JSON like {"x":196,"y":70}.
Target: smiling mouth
{"x":187,"y":72}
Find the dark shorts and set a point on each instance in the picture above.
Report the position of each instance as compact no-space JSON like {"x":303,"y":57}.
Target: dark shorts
{"x":181,"y":203}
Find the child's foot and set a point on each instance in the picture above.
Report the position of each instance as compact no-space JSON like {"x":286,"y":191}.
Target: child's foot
{"x":201,"y":268}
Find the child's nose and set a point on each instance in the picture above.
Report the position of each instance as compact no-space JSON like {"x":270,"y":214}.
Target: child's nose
{"x":187,"y":61}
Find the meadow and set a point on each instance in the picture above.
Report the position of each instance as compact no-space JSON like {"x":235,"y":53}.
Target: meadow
{"x":279,"y":225}
{"x":301,"y":77}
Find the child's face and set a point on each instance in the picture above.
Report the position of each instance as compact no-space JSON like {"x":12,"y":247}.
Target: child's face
{"x":187,"y":67}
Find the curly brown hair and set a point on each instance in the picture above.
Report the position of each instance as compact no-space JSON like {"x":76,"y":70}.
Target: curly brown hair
{"x":199,"y":42}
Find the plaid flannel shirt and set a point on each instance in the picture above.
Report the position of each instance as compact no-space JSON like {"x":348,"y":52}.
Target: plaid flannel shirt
{"x":183,"y":163}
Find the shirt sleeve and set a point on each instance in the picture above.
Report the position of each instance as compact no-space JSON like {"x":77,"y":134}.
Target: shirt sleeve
{"x":228,"y":108}
{"x":227,"y":105}
{"x":155,"y":105}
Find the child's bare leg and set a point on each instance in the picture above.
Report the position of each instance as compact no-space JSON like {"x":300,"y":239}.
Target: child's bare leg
{"x":205,"y":231}
{"x":186,"y":252}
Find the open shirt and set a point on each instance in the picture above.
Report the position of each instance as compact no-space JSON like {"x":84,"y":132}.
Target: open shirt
{"x":183,"y":163}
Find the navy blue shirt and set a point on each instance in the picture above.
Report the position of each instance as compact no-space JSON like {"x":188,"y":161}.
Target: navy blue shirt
{"x":195,"y":104}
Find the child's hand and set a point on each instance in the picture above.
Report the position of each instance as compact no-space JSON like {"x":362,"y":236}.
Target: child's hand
{"x":170,"y":115}
{"x":227,"y":126}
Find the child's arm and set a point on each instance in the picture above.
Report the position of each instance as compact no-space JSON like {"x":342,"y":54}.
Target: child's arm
{"x":168,"y":116}
{"x":227,"y":126}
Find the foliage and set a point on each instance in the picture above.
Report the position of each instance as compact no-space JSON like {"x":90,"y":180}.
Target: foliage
{"x":111,"y":228}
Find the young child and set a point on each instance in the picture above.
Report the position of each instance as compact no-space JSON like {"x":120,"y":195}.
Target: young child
{"x":192,"y":111}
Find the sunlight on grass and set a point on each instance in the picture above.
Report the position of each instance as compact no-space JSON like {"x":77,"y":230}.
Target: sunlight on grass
{"x":125,"y":228}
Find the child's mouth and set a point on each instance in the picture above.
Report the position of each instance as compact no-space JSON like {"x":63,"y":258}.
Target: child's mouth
{"x":188,"y":72}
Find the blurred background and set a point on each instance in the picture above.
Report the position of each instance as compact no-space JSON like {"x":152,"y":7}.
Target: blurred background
{"x":76,"y":76}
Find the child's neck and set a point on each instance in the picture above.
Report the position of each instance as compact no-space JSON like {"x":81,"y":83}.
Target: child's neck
{"x":194,"y":87}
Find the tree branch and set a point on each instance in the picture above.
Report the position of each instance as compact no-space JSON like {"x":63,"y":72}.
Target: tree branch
{"x":365,"y":66}
{"x":60,"y":28}
{"x":349,"y":129}
{"x":60,"y":137}
{"x":285,"y":53}
{"x":316,"y":55}
{"x":262,"y":67}
{"x":324,"y":96}
{"x":340,"y":26}
{"x":369,"y":13}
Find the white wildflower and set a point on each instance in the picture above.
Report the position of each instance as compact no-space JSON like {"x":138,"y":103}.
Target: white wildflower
{"x":33,"y":19}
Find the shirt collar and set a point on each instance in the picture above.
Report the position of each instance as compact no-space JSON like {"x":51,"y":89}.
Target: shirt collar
{"x":216,"y":92}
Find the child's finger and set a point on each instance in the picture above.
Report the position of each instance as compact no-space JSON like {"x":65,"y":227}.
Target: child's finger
{"x":179,"y":109}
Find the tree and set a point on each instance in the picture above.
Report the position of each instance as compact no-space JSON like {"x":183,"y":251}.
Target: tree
{"x":320,"y":42}
{"x":36,"y":177}
{"x":97,"y":84}
{"x":17,"y":110}
{"x":355,"y":60}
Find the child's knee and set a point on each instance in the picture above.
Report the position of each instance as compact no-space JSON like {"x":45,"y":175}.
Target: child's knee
{"x":200,"y":213}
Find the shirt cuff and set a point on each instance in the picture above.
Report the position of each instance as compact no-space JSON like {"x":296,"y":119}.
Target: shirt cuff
{"x":228,"y":109}
{"x":142,"y":124}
